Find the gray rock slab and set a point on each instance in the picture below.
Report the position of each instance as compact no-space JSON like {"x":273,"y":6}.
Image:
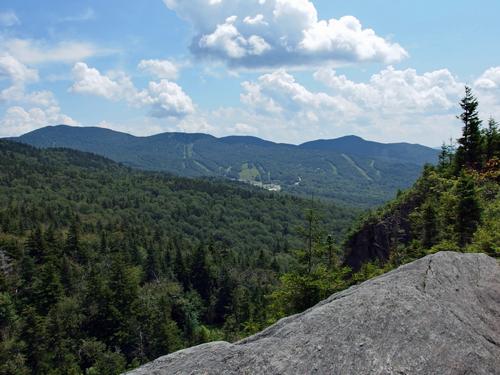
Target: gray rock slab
{"x":437,"y":315}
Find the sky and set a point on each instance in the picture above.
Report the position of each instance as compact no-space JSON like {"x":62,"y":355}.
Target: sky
{"x":283,"y":70}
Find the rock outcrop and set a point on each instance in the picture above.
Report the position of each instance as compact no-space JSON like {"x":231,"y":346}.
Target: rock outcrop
{"x":437,"y":315}
{"x":375,"y":239}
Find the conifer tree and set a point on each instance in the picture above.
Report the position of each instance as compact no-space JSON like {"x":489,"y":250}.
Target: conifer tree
{"x":201,"y":279}
{"x":429,"y":228}
{"x":35,"y":246}
{"x":72,"y":246}
{"x":468,"y":210}
{"x":492,"y":139}
{"x":469,"y":150}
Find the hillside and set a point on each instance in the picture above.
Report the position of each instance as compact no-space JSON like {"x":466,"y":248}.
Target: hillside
{"x":348,"y":170}
{"x":103,"y":267}
{"x":442,"y":211}
{"x":453,"y":206}
{"x":437,"y":315}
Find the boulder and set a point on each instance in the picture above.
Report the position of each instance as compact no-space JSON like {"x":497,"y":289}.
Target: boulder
{"x":437,"y":315}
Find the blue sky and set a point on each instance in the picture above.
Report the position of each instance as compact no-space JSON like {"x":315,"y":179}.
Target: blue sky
{"x":285,"y":70}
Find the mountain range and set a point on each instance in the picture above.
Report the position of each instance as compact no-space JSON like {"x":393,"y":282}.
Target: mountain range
{"x":348,"y":170}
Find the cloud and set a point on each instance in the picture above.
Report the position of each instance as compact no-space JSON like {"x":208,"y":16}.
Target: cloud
{"x":164,"y":98}
{"x":18,"y":120}
{"x":227,"y":41}
{"x":271,"y":33}
{"x":9,"y":18}
{"x":487,"y":87}
{"x":19,"y":76}
{"x":241,"y":128}
{"x":196,"y":124}
{"x":30,"y":51}
{"x":15,"y":71}
{"x":162,"y":69}
{"x":391,"y":106}
{"x":43,"y":107}
{"x":398,"y":91}
{"x":256,"y":20}
{"x":167,"y":99}
{"x":489,"y":80}
{"x":279,"y":93}
{"x":90,"y":81}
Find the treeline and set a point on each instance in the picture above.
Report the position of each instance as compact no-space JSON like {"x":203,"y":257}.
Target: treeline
{"x":103,"y":268}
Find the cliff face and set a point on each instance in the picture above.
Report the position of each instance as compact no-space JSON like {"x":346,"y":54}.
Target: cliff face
{"x":375,"y":240}
{"x":437,"y":315}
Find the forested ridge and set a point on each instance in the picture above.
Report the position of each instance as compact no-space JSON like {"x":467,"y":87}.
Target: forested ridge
{"x":104,"y":267}
{"x":347,"y":170}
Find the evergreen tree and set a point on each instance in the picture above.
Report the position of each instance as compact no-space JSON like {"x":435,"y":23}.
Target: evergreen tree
{"x":469,"y":150}
{"x":446,"y":155}
{"x":330,"y":250}
{"x":468,"y":210}
{"x":123,"y":302}
{"x":47,"y":287}
{"x":152,"y":265}
{"x":201,"y":278}
{"x":492,"y":139}
{"x":35,"y":246}
{"x":181,"y":268}
{"x":72,"y":246}
{"x":429,"y":227}
{"x":311,"y":234}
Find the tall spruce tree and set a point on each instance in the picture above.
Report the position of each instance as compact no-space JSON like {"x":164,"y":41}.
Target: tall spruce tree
{"x":492,"y":139}
{"x":469,"y":150}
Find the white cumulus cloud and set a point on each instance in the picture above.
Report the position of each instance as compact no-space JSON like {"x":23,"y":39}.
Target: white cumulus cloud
{"x":91,"y":81}
{"x":167,"y":99}
{"x":271,"y":33}
{"x":397,"y":91}
{"x":43,"y":108}
{"x":18,"y":120}
{"x":489,"y":80}
{"x":15,"y":77}
{"x":280,"y":93}
{"x":392,"y":105}
{"x":162,"y":69}
{"x":15,"y":71}
{"x":164,"y":98}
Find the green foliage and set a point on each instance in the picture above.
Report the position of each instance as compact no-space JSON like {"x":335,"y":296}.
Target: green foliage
{"x":299,"y":291}
{"x":491,"y":136}
{"x":468,"y":211}
{"x":103,"y":267}
{"x":469,"y":150}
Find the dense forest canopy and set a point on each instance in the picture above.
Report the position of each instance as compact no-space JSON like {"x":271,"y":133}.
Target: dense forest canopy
{"x":104,"y":267}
